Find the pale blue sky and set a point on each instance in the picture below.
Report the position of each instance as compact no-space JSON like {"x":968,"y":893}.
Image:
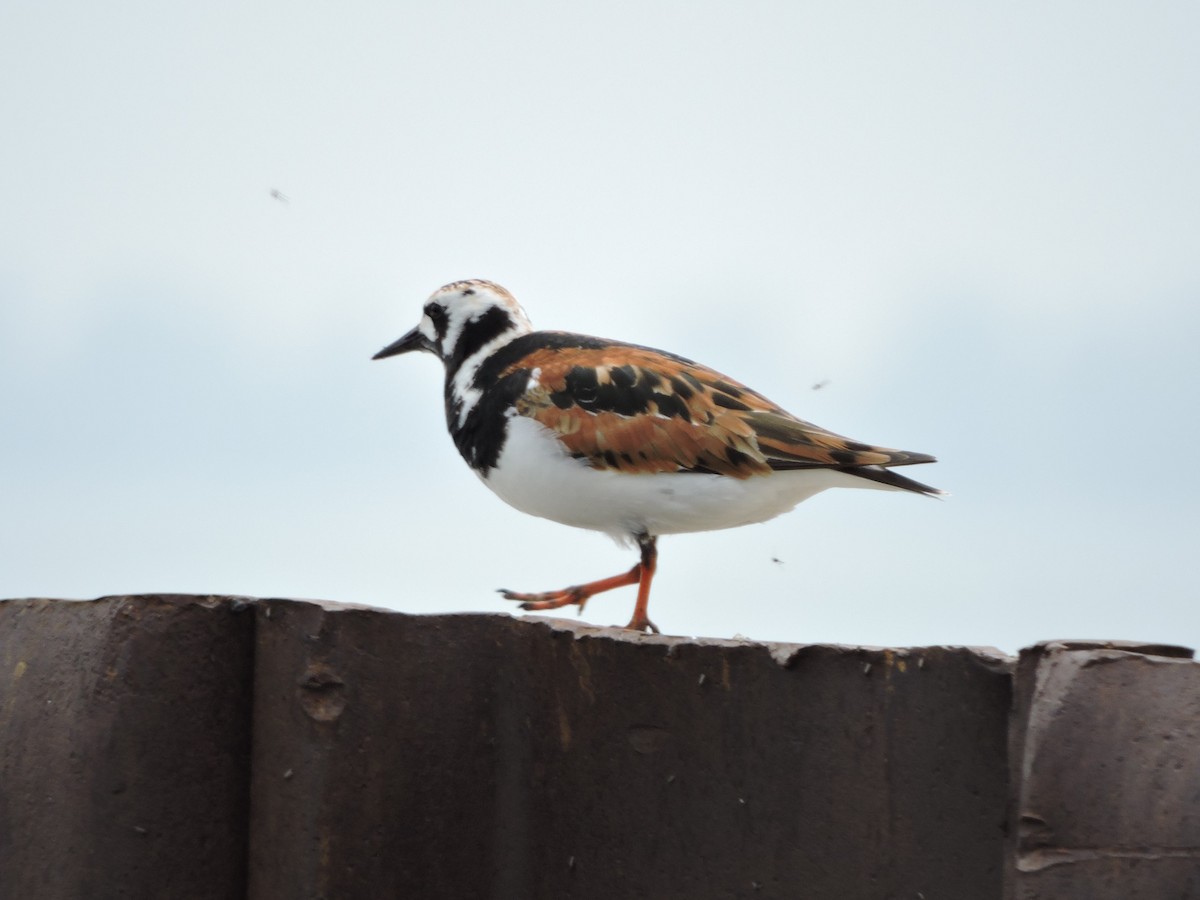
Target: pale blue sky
{"x":979,"y":225}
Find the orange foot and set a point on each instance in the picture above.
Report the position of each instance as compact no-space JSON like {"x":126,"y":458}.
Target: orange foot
{"x":579,"y":594}
{"x":641,"y":623}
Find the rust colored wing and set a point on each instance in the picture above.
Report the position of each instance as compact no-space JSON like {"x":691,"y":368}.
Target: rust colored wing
{"x":634,"y":409}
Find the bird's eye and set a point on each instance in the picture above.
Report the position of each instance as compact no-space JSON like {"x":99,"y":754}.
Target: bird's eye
{"x":435,"y":312}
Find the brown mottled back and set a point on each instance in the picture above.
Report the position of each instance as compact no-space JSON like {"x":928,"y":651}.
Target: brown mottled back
{"x":650,"y":412}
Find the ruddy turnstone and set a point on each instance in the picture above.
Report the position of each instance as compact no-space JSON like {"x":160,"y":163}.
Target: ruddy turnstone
{"x":623,"y":439}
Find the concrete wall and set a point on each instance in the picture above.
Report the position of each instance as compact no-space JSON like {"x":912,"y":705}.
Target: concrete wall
{"x":197,"y":747}
{"x":1105,"y":762}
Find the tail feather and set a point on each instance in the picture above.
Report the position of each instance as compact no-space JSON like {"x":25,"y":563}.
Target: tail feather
{"x":887,"y":477}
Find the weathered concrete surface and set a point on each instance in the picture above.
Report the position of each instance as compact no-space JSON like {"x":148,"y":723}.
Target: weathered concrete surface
{"x":373,"y":753}
{"x":202,"y":747}
{"x":124,"y":748}
{"x":481,"y":756}
{"x":1105,"y":751}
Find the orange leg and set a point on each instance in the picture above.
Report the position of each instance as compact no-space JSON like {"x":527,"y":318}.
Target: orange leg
{"x":641,"y":621}
{"x":579,"y":594}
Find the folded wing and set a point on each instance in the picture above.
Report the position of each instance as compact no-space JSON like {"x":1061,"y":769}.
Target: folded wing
{"x":635,"y":409}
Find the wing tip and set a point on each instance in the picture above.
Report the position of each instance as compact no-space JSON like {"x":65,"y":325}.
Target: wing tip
{"x":909,"y":458}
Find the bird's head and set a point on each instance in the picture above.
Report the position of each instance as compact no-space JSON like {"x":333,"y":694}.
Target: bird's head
{"x":461,"y":319}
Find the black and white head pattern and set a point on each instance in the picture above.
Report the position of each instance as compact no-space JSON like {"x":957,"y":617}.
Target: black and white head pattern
{"x":465,"y":321}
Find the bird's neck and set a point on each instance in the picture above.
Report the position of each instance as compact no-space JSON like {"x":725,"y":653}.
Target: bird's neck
{"x":473,"y":408}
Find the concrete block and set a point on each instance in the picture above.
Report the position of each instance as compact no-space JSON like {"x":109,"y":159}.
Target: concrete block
{"x":124,"y":748}
{"x":1105,"y":751}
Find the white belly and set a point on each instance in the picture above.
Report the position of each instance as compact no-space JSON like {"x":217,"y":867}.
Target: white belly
{"x":535,"y":475}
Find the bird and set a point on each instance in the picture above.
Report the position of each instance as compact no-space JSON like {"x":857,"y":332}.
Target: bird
{"x":621,"y":438}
